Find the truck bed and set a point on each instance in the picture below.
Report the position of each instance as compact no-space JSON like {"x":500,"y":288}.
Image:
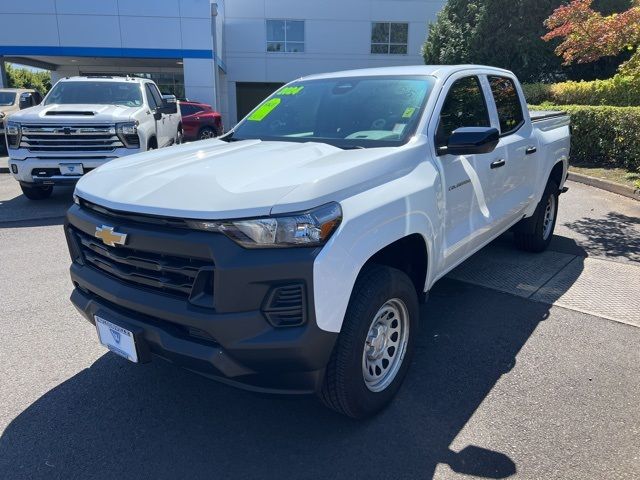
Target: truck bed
{"x":540,"y":115}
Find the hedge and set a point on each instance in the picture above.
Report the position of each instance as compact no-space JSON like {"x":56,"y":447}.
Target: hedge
{"x":603,"y":135}
{"x":617,"y":91}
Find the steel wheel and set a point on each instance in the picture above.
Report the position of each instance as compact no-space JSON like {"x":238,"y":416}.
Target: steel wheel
{"x":386,"y":345}
{"x":549,"y":217}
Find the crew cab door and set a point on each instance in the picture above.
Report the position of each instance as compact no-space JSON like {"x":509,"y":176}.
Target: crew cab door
{"x":471,"y":182}
{"x":518,"y":144}
{"x":156,"y":106}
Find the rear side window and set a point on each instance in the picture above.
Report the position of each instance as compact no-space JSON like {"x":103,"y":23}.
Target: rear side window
{"x":189,"y":109}
{"x":465,"y":106}
{"x":507,"y":103}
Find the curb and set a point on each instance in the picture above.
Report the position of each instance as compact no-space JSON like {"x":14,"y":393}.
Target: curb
{"x":607,"y":185}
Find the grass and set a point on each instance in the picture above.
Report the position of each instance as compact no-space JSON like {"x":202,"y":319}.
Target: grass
{"x":618,"y":175}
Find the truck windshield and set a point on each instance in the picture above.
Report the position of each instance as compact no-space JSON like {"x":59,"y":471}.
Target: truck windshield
{"x":7,"y":98}
{"x":357,"y":112}
{"x":101,"y":93}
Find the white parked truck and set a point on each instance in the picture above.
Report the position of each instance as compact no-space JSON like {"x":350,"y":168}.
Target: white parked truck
{"x":291,"y":254}
{"x":84,"y":122}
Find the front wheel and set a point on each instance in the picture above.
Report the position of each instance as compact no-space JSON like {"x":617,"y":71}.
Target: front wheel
{"x":206,"y":133}
{"x":534,"y":234}
{"x":37,"y":192}
{"x":374,"y":349}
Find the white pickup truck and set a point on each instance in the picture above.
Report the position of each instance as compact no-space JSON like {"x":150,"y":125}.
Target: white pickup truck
{"x":84,"y":122}
{"x":291,"y":254}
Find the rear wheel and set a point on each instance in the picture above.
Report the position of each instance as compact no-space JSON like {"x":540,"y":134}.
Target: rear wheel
{"x":534,"y":234}
{"x":37,"y":192}
{"x":206,"y":133}
{"x":374,"y":349}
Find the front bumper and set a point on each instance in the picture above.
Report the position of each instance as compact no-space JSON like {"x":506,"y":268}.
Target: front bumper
{"x":231,"y":339}
{"x":45,"y":169}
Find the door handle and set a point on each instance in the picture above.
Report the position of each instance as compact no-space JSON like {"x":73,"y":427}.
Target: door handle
{"x":531,"y":150}
{"x":498,"y":163}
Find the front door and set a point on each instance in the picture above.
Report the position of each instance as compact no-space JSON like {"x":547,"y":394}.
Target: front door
{"x":155,"y":104}
{"x":470,"y":181}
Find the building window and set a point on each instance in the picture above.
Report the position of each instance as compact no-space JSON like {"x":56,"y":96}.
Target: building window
{"x":389,"y":38}
{"x":285,"y":36}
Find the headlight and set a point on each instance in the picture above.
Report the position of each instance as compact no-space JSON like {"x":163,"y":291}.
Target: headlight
{"x":13,"y":128}
{"x":13,"y":133}
{"x":306,"y":229}
{"x":128,"y":134}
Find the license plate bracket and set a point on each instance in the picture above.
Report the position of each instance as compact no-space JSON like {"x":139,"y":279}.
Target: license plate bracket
{"x":117,"y":339}
{"x":71,"y":169}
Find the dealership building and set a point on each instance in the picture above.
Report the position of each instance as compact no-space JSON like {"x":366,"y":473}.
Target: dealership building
{"x":230,"y":53}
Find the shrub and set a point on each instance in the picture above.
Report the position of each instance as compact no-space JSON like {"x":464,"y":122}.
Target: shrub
{"x":617,"y":91}
{"x":603,"y":135}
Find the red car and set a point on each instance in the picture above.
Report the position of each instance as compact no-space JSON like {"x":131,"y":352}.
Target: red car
{"x":199,"y":121}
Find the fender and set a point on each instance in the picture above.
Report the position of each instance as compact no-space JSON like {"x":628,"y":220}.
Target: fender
{"x":372,"y":222}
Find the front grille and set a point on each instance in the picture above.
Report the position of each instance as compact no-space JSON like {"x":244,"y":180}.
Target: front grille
{"x":70,"y":138}
{"x":170,"y":274}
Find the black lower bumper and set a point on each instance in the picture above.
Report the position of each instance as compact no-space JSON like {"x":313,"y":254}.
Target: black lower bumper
{"x":231,"y":340}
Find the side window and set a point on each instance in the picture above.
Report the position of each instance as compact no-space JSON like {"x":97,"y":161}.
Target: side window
{"x":153,"y":96}
{"x":508,"y":104}
{"x":464,"y":106}
{"x":189,"y":110}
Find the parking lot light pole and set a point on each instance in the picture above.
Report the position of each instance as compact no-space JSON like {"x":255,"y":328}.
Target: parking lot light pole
{"x":3,"y":74}
{"x":214,"y":15}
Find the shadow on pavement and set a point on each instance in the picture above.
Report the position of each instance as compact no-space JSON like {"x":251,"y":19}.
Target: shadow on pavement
{"x":119,"y":420}
{"x":19,"y":211}
{"x":615,"y":235}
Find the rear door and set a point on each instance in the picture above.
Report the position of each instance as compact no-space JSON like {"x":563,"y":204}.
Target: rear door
{"x":517,"y":144}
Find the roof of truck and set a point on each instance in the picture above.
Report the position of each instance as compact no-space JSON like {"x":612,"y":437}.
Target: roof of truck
{"x":106,"y":78}
{"x":440,"y":71}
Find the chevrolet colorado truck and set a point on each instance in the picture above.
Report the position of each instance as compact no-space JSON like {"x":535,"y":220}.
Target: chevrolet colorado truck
{"x":291,"y":254}
{"x":84,"y":122}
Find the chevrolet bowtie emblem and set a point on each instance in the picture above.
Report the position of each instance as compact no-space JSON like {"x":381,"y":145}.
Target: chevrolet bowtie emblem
{"x":109,"y":237}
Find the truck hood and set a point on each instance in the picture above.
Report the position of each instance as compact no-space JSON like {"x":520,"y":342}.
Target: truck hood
{"x":75,"y":113}
{"x":216,"y":180}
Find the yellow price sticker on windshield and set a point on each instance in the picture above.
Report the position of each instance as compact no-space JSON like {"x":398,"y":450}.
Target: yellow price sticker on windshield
{"x":290,"y":90}
{"x":265,"y":109}
{"x":408,"y":113}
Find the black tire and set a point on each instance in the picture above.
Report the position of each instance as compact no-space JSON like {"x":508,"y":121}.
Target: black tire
{"x":37,"y":192}
{"x":152,"y":144}
{"x":206,"y":133}
{"x":344,"y":388}
{"x":179,"y":136}
{"x":529,"y":234}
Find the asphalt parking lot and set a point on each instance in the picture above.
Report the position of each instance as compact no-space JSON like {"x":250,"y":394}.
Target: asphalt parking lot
{"x":528,"y":366}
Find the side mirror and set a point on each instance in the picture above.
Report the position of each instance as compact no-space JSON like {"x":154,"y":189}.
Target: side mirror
{"x":472,"y":141}
{"x":25,"y":101}
{"x":169,"y":104}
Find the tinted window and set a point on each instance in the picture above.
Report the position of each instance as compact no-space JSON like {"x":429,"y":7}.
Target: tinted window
{"x":507,"y":103}
{"x":285,"y":36}
{"x":101,"y":93}
{"x":189,"y":109}
{"x":346,"y":112}
{"x":389,"y":38}
{"x":7,"y":98}
{"x":464,"y":107}
{"x":153,"y":96}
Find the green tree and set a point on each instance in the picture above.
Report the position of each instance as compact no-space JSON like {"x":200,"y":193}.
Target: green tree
{"x":23,"y":78}
{"x":507,"y":34}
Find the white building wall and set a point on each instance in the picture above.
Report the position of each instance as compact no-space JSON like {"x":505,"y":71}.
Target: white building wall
{"x":337,"y":37}
{"x":110,"y":25}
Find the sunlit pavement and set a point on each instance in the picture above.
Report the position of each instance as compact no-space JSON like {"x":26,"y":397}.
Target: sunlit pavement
{"x":528,"y":365}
